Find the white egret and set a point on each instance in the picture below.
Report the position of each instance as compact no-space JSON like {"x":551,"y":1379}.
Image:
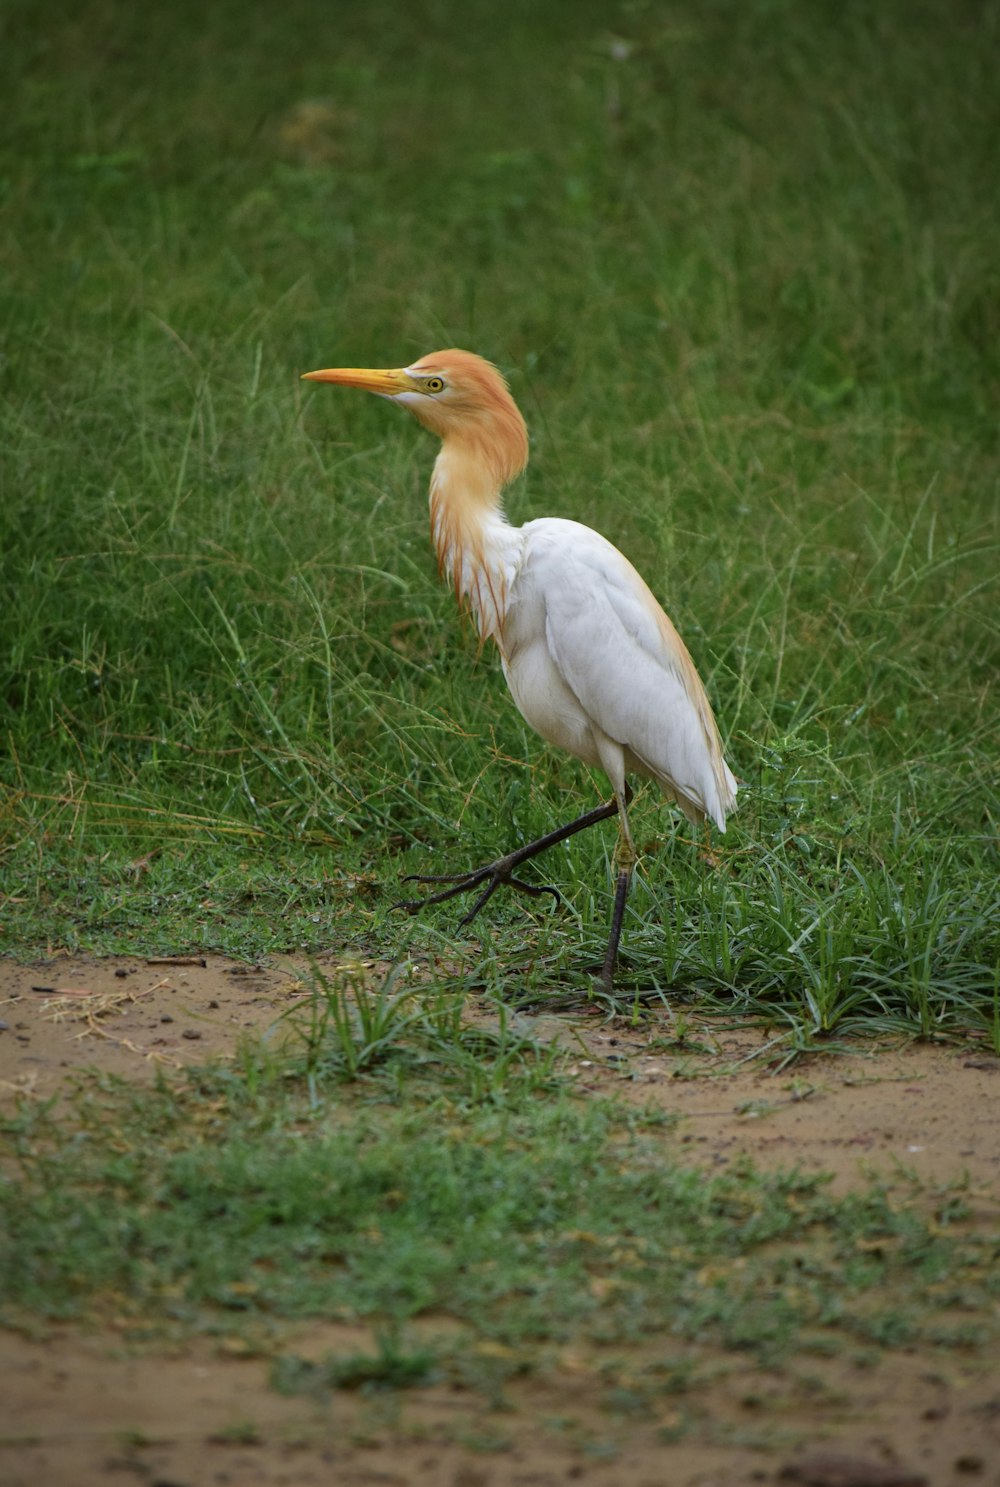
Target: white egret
{"x":591,"y":660}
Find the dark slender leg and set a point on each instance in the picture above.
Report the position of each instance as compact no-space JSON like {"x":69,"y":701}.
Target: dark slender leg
{"x":606,"y":978}
{"x":502,"y":871}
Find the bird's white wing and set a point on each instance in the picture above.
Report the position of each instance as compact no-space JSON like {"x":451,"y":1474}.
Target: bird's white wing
{"x":621,"y":658}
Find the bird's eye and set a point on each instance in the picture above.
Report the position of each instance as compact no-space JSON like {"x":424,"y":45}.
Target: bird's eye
{"x":434,"y":384}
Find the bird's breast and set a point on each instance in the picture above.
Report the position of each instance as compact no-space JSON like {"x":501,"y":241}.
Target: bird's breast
{"x":481,"y":558}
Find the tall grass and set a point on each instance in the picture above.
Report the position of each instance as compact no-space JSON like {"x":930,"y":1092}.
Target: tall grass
{"x":742,"y":264}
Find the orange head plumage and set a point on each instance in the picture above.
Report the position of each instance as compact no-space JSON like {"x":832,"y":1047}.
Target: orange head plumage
{"x":460,"y":397}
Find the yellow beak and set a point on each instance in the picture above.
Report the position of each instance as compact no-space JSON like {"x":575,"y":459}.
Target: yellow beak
{"x":388,"y":383}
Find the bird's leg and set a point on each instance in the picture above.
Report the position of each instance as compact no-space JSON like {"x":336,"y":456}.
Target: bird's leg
{"x":502,"y":870}
{"x":626,"y":856}
{"x":606,"y":979}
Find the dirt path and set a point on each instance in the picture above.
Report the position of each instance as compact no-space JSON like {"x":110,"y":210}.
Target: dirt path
{"x":84,"y":1408}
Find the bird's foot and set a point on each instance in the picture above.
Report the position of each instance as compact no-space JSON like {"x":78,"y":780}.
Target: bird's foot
{"x":502,"y":870}
{"x":493,"y":875}
{"x":603,"y":982}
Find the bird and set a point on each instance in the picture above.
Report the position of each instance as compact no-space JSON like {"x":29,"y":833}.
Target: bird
{"x":592,"y":662}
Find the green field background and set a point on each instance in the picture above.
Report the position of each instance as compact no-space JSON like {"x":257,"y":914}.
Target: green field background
{"x":741,"y":262}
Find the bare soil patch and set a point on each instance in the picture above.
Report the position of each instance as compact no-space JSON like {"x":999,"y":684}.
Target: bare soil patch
{"x":88,"y":1407}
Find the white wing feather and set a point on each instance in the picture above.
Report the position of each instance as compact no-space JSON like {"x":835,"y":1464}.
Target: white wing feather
{"x":613,"y":654}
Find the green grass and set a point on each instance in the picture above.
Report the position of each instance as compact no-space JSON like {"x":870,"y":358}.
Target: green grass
{"x":743,"y":264}
{"x":411,"y":1195}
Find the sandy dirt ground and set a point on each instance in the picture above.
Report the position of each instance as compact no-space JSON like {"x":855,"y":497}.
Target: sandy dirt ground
{"x":87,"y":1406}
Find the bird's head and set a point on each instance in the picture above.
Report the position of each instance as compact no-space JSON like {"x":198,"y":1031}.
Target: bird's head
{"x":459,"y":396}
